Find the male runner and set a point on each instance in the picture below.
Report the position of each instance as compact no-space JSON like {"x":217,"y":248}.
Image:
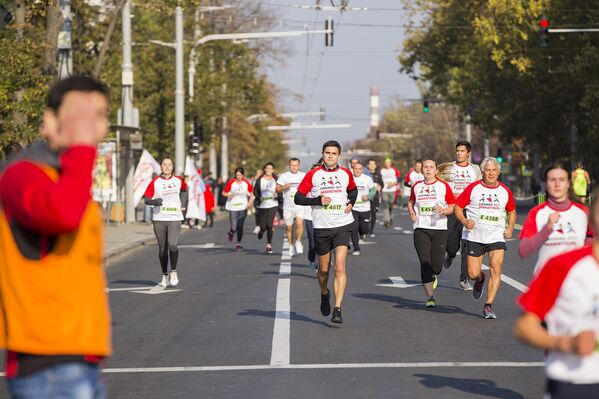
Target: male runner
{"x":287,"y":184}
{"x":333,"y":194}
{"x":462,"y":174}
{"x":390,"y":176}
{"x":375,"y":202}
{"x":486,"y":201}
{"x":412,"y":177}
{"x":361,"y":210}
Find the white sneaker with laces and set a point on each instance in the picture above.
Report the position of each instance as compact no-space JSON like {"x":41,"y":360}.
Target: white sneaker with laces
{"x":164,"y":282}
{"x":292,"y":251}
{"x":299,"y":248}
{"x":174,"y":279}
{"x":256,"y":229}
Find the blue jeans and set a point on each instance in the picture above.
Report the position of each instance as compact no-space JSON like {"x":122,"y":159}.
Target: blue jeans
{"x":62,"y":381}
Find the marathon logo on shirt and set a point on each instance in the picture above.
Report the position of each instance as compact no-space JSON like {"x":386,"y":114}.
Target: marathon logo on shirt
{"x":170,"y":188}
{"x":427,"y":192}
{"x":564,"y":234}
{"x":489,"y":201}
{"x":330,"y":185}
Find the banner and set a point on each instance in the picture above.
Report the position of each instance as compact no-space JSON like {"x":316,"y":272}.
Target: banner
{"x":196,"y":207}
{"x":145,"y":171}
{"x":104,"y":174}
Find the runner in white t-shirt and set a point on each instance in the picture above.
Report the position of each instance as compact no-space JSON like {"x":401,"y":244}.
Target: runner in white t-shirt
{"x":240,"y":197}
{"x":561,"y":316}
{"x":390,"y":176}
{"x":168,"y":195}
{"x":265,"y":198}
{"x":413,"y":176}
{"x":557,"y":225}
{"x":333,"y":194}
{"x":486,"y":202}
{"x":287,"y":184}
{"x":430,"y":202}
{"x":361,"y":210}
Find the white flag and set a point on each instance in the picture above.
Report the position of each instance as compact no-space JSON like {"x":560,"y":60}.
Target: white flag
{"x":196,"y":207}
{"x":146,"y":168}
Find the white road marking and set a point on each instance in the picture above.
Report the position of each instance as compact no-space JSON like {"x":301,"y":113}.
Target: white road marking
{"x":150,"y":290}
{"x":280,"y":353}
{"x":397,"y":228}
{"x":508,"y":280}
{"x":398,"y":282}
{"x":208,"y":245}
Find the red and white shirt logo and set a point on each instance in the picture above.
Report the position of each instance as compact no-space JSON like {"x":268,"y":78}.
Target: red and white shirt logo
{"x":568,"y":233}
{"x":330,"y":183}
{"x":425,"y":197}
{"x":487,"y":207}
{"x":462,"y":177}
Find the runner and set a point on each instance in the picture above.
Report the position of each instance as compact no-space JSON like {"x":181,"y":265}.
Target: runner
{"x":462,"y":174}
{"x":310,"y":230}
{"x":581,"y":182}
{"x":376,"y":201}
{"x":361,"y":210}
{"x":287,"y":184}
{"x":555,"y":226}
{"x":266,"y":203}
{"x":561,"y":316}
{"x":430,"y":202}
{"x":240,"y":197}
{"x":333,"y":195}
{"x":412,"y":177}
{"x":486,"y":202}
{"x":168,"y":195}
{"x":390,"y":177}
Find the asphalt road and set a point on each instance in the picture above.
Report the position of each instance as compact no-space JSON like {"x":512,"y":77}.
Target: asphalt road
{"x":248,"y":325}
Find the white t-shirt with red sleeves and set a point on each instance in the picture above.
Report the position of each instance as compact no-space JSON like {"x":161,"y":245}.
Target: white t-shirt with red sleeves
{"x":269,"y":195}
{"x":389,"y":177}
{"x":364,"y":183}
{"x":565,"y":294}
{"x":568,"y":233}
{"x":169,"y":190}
{"x":425,"y":197}
{"x":240,"y":192}
{"x":294,"y":179}
{"x":413,"y":177}
{"x":487,"y":206}
{"x":463,"y":176}
{"x":330,"y":183}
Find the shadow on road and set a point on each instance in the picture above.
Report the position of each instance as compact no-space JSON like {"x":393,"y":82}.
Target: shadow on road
{"x":486,"y":388}
{"x":292,"y":315}
{"x":404,"y":303}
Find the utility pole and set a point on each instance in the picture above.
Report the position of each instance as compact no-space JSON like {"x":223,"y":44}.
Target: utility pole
{"x":179,"y":95}
{"x":65,"y":55}
{"x":224,"y":151}
{"x":468,"y":121}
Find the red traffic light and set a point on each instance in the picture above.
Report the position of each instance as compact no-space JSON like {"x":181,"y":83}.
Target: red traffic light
{"x":544,"y":23}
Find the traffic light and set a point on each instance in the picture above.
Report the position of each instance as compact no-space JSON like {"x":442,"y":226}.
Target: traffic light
{"x":499,"y":156}
{"x":544,"y":32}
{"x":425,"y":108}
{"x":328,"y":36}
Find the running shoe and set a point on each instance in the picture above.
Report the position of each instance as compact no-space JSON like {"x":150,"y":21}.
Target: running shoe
{"x":299,"y":248}
{"x":174,"y":279}
{"x":435,"y":282}
{"x":465,"y":285}
{"x":292,"y":251}
{"x":430,"y":302}
{"x":336,"y":318}
{"x":386,"y":224}
{"x":356,"y":253}
{"x":230,"y":236}
{"x":313,"y":266}
{"x":269,"y":249}
{"x":372,"y":235}
{"x":164,"y":282}
{"x":447,"y":262}
{"x":488,"y":312}
{"x":477,"y":291}
{"x":256,"y":229}
{"x":239,"y":247}
{"x":325,"y":304}
{"x":260,"y":234}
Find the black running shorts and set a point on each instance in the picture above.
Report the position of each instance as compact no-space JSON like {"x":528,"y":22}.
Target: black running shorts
{"x":325,"y":240}
{"x":477,"y":249}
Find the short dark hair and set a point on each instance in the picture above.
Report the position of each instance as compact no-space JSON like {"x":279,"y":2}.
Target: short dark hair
{"x":165,"y":157}
{"x":555,"y":165}
{"x":421,"y":160}
{"x":293,"y":159}
{"x":240,"y":170}
{"x":331,"y":143}
{"x":12,"y":148}
{"x":266,"y":164}
{"x":74,"y":83}
{"x":464,"y":143}
{"x":428,"y":159}
{"x":371,"y":160}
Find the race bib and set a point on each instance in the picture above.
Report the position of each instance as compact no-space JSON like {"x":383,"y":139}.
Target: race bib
{"x":490,"y":219}
{"x":267,"y":198}
{"x":170,"y":209}
{"x":426,"y":210}
{"x":333,"y":208}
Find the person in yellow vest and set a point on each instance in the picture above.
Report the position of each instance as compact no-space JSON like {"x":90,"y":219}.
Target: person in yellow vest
{"x":581,"y":182}
{"x":54,"y":314}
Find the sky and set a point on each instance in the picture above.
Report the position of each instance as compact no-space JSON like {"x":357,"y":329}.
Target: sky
{"x":338,"y":78}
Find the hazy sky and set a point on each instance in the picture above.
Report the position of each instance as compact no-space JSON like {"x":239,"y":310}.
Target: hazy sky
{"x":338,"y":78}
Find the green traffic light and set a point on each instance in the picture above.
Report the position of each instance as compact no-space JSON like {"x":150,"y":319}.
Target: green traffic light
{"x":500,"y":159}
{"x":425,"y":110}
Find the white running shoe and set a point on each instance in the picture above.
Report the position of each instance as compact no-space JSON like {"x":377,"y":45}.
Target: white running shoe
{"x":292,"y":251}
{"x":164,"y":282}
{"x":299,"y":247}
{"x":356,"y":253}
{"x":174,"y":279}
{"x":256,"y":229}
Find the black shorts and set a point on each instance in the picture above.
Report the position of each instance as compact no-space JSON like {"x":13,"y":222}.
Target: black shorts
{"x":477,"y":249}
{"x":325,"y":240}
{"x":566,"y":390}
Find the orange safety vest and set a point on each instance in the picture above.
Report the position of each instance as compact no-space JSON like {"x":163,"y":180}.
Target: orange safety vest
{"x":56,"y":305}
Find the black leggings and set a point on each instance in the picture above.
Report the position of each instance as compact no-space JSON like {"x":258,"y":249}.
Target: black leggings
{"x":237,"y":219}
{"x":455,"y":243}
{"x":360,"y":226}
{"x":430,"y":246}
{"x":266,"y":218}
{"x":310,"y":232}
{"x":167,"y":235}
{"x":373,"y":211}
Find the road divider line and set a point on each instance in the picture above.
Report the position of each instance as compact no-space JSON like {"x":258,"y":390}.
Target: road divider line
{"x":508,"y":280}
{"x":280,"y":353}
